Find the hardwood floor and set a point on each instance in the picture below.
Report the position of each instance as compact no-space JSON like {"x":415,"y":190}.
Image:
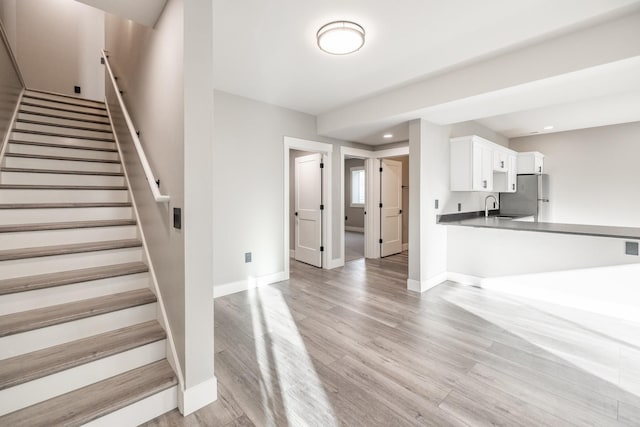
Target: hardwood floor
{"x":353,"y":245}
{"x":353,"y":347}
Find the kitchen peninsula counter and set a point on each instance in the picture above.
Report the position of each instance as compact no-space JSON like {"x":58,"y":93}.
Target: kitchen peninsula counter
{"x":473,"y":220}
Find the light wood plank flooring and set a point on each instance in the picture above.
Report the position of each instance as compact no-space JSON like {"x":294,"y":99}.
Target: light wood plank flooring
{"x":353,"y":245}
{"x":353,"y":347}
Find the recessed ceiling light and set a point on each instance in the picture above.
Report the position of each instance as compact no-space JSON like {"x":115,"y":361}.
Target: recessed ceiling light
{"x":387,"y":135}
{"x":548,"y":127}
{"x":340,"y":37}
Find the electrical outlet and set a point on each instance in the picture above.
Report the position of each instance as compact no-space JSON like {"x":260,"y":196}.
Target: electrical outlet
{"x":631,"y":248}
{"x":459,"y":207}
{"x":247,"y":257}
{"x":76,"y":89}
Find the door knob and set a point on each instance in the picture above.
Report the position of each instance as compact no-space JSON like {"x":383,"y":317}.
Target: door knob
{"x":400,"y":211}
{"x":296,"y":214}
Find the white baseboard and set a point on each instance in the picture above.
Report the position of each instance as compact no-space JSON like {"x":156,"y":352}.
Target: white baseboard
{"x":425,"y":285}
{"x":335,"y":263}
{"x":245,"y":285}
{"x":405,"y":247}
{"x":464,"y":279}
{"x":352,"y":228}
{"x":140,"y":412}
{"x":196,"y":397}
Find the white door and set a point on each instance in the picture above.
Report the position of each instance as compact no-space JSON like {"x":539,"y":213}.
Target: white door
{"x":391,"y":210}
{"x":308,"y":213}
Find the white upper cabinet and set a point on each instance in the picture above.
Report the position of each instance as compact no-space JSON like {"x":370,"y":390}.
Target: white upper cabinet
{"x":531,"y":162}
{"x":471,"y":164}
{"x":501,"y":160}
{"x":478,"y":164}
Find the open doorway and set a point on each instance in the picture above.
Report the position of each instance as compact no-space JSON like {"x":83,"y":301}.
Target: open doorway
{"x":354,"y":208}
{"x":403,"y":210}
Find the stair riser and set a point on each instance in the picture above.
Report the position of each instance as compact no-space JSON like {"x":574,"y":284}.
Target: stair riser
{"x":49,"y":264}
{"x":32,"y":239}
{"x":54,"y":97}
{"x":62,"y":130}
{"x":62,"y":196}
{"x":33,"y":216}
{"x":61,"y":152}
{"x":28,"y":178}
{"x":64,"y":122}
{"x":140,"y":412}
{"x":53,"y":104}
{"x":19,"y":162}
{"x":31,"y":300}
{"x":70,"y":115}
{"x":14,"y":345}
{"x":35,"y":391}
{"x":21,"y":136}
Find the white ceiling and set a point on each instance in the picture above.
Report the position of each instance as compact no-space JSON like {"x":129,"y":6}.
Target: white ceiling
{"x":266,"y":50}
{"x":145,"y":12}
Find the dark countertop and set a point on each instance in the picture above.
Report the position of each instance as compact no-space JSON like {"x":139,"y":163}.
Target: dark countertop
{"x":546,"y":227}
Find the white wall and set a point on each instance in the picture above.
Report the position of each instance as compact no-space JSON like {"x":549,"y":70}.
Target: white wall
{"x":10,"y":88}
{"x":57,"y":45}
{"x":485,"y":252}
{"x":247,"y":215}
{"x":166,"y":74}
{"x":594,"y":177}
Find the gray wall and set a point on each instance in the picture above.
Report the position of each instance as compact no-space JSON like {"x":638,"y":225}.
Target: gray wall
{"x":594,"y":176}
{"x":248,"y":211}
{"x":57,"y":44}
{"x":355,"y":215}
{"x":10,"y":88}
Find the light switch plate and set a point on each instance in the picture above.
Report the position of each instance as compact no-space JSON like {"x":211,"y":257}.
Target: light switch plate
{"x":247,"y":257}
{"x":631,"y":248}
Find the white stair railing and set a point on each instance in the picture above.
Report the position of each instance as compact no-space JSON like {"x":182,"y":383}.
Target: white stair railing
{"x":159,"y":197}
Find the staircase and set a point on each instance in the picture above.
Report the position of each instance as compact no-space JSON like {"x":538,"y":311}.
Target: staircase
{"x":79,"y":339}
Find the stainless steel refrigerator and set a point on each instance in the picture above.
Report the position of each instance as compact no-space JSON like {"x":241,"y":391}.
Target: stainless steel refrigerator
{"x":531,"y":198}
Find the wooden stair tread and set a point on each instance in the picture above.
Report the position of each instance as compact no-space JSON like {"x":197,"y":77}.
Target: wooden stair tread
{"x":96,"y":400}
{"x":64,"y":95}
{"x":67,"y":110}
{"x":24,"y":321}
{"x":57,"y":116}
{"x":100,"y":106}
{"x":61,"y":187}
{"x":62,"y":135}
{"x":63,"y":172}
{"x":53,"y":145}
{"x":49,"y":280}
{"x":74,"y":248}
{"x":61,"y":125}
{"x":72,"y":159}
{"x":65,"y":205}
{"x":66,"y":225}
{"x":28,"y":367}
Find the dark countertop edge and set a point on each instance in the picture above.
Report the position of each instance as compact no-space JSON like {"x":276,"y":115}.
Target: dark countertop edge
{"x":550,"y":227}
{"x":459,"y":216}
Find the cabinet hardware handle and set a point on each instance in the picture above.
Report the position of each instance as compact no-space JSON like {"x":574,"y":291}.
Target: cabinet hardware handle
{"x":513,"y":186}
{"x":540,"y":169}
{"x":502,"y":164}
{"x":484,"y":184}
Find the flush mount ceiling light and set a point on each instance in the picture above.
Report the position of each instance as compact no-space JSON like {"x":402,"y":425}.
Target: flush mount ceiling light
{"x":340,"y":37}
{"x":548,"y":127}
{"x":387,"y":135}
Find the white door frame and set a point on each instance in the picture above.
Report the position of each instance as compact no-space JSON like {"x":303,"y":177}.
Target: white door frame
{"x":289,"y":144}
{"x":371,"y":233}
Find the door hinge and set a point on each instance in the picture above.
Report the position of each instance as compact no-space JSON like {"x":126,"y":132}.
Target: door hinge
{"x":380,"y":169}
{"x":380,"y":205}
{"x":321,"y":207}
{"x":321,"y":165}
{"x":321,"y":248}
{"x":380,"y":241}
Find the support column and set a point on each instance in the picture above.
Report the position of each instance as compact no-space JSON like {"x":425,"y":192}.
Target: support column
{"x":428,"y":182}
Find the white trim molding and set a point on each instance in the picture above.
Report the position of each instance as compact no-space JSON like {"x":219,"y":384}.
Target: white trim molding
{"x":198,"y":396}
{"x":354,"y":229}
{"x":326,"y":150}
{"x":250,"y":283}
{"x":465,"y":279}
{"x":405,"y":247}
{"x":12,"y":125}
{"x":425,"y":285}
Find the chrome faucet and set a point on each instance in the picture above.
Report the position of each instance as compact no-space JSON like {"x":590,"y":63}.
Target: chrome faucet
{"x":486,"y":199}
